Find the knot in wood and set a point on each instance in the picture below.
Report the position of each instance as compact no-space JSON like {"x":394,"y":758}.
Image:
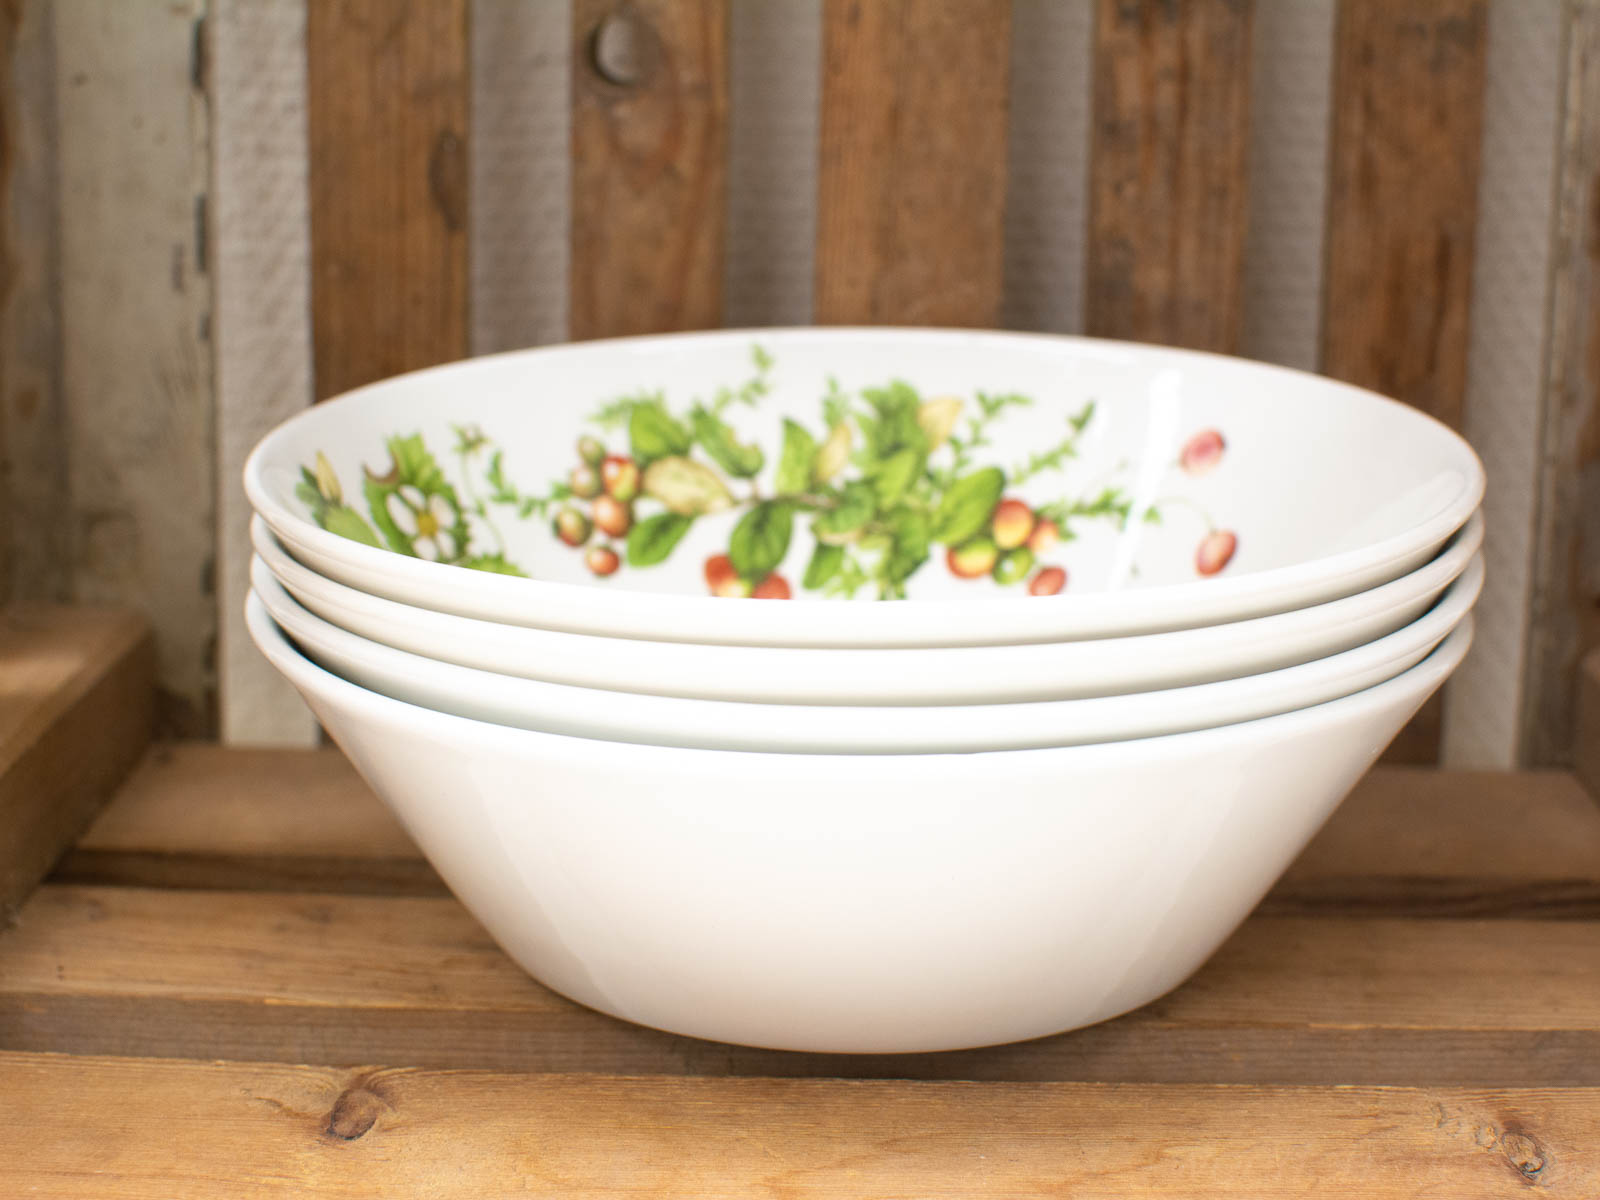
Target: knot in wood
{"x":623,"y":48}
{"x":1523,"y":1153}
{"x":354,"y":1113}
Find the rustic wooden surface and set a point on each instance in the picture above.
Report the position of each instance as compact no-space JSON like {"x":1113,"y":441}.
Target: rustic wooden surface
{"x":387,"y":89}
{"x":1586,"y":744}
{"x":135,"y":301}
{"x":1168,"y":203}
{"x":912,"y":178}
{"x":274,"y":1130}
{"x":649,"y":167}
{"x":1402,"y":208}
{"x":34,"y":525}
{"x":1564,"y":621}
{"x":1345,"y":1038}
{"x":76,"y":713}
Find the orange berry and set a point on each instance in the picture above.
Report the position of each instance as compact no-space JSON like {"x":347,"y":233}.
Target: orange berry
{"x":1215,"y":551}
{"x":1012,"y":524}
{"x":1047,"y":582}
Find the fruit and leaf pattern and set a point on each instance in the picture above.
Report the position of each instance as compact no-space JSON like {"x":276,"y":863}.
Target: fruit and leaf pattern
{"x":887,"y":480}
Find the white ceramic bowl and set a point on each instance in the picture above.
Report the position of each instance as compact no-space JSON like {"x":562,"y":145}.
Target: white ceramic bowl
{"x":940,"y":675}
{"x":841,"y":729}
{"x":1288,"y":488}
{"x":860,"y":903}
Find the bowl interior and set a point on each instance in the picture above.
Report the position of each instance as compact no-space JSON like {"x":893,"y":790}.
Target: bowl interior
{"x":826,"y":464}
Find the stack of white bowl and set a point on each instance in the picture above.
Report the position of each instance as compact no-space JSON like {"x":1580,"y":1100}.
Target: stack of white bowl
{"x":1072,"y":646}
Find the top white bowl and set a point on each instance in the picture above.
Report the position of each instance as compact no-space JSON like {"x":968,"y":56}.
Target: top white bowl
{"x":995,"y":488}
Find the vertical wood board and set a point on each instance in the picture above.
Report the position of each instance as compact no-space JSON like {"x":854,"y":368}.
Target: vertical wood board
{"x":34,"y":523}
{"x":135,"y":310}
{"x":774,"y":84}
{"x":911,"y":185}
{"x":1506,"y":355}
{"x":387,"y":97}
{"x":1565,"y":619}
{"x":1168,"y":176}
{"x":261,"y":261}
{"x":1047,"y":201}
{"x":521,"y":173}
{"x":649,"y":165}
{"x":1291,"y":94}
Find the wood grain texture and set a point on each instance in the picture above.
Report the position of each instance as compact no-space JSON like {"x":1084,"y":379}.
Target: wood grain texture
{"x":1565,"y":617}
{"x":35,"y":524}
{"x":1407,"y":842}
{"x":75,"y":715}
{"x":1586,"y":751}
{"x":345,"y":979}
{"x":135,"y":304}
{"x":1402,"y":213}
{"x":649,"y":165}
{"x":387,"y":102}
{"x":911,"y":185}
{"x":1168,"y":212}
{"x":277,"y":1130}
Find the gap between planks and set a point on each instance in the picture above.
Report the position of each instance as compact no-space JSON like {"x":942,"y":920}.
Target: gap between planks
{"x":267,"y":1130}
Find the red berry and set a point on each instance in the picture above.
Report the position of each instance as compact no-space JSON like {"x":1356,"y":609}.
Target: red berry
{"x":773,"y":587}
{"x":602,"y":560}
{"x":584,"y":482}
{"x":620,"y":475}
{"x":571,"y":526}
{"x":723,"y":580}
{"x":974,"y":557}
{"x":1201,"y":452}
{"x":1047,"y":582}
{"x":1216,"y":548}
{"x":612,"y":516}
{"x":1012,"y":524}
{"x":1044,"y":537}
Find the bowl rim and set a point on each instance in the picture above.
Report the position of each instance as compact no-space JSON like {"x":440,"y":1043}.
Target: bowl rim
{"x":431,"y":725}
{"x":1151,"y":605}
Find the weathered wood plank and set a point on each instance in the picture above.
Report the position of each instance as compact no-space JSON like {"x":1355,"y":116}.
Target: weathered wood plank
{"x":135,"y":360}
{"x":774,"y":84}
{"x":34,"y":526}
{"x":1565,"y":619}
{"x":649,"y":169}
{"x":75,"y":715}
{"x":1586,"y":746}
{"x":1408,"y":841}
{"x":261,"y":260}
{"x":387,"y":102}
{"x":1167,"y":215}
{"x":1047,"y":202}
{"x":317,"y":978}
{"x":1402,"y":213}
{"x":521,"y":173}
{"x":273,"y":1130}
{"x":1505,"y":367}
{"x":911,"y":189}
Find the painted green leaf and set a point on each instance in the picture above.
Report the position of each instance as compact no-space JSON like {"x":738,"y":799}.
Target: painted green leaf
{"x":495,"y":564}
{"x":895,"y":474}
{"x":737,"y":459}
{"x":654,"y":538}
{"x":911,"y":532}
{"x":967,"y":505}
{"x":685,"y":486}
{"x":654,"y":434}
{"x":855,"y":509}
{"x":347,"y":522}
{"x":796,"y":458}
{"x":824,"y":565}
{"x":761,"y":539}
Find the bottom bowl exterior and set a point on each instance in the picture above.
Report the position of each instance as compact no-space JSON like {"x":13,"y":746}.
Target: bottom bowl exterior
{"x":849,"y":904}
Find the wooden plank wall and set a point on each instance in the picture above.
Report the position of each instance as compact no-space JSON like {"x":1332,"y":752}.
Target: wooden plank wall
{"x":1079,"y":165}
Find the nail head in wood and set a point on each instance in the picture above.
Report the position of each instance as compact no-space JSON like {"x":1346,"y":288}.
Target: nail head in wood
{"x":622,"y":48}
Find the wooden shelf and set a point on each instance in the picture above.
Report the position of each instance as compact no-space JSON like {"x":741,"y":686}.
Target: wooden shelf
{"x":1419,"y":998}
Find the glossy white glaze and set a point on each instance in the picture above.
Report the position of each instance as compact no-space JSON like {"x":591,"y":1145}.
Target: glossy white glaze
{"x":860,"y":903}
